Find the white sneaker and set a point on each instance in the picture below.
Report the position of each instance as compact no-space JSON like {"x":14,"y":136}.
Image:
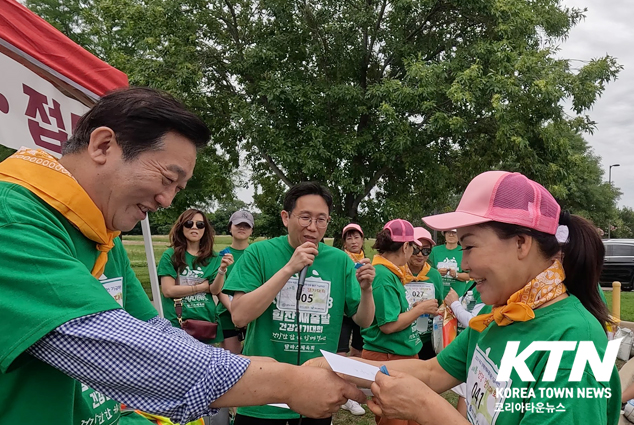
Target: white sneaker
{"x":354,"y":408}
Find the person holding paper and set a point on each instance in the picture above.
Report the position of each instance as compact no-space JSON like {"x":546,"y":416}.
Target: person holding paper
{"x":507,"y":225}
{"x":267,"y":295}
{"x":87,"y":334}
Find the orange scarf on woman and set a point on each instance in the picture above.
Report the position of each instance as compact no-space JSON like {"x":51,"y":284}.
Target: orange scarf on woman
{"x":402,"y":272}
{"x":545,"y":287}
{"x":355,"y":257}
{"x":43,"y":175}
{"x":422,"y":275}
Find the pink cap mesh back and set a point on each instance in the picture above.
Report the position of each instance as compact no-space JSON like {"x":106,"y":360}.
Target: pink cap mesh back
{"x":401,"y":231}
{"x":505,"y":197}
{"x":518,"y":200}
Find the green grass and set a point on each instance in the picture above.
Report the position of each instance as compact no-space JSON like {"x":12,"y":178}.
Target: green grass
{"x":627,"y":304}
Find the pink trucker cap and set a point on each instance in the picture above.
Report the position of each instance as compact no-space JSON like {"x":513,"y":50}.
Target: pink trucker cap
{"x":422,"y":233}
{"x":505,"y":197}
{"x":352,"y":226}
{"x":401,"y":231}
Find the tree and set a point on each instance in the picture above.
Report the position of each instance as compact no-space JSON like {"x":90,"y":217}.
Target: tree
{"x":395,"y":105}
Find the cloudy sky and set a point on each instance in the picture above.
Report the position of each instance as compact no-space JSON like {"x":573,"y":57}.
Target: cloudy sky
{"x":608,"y":29}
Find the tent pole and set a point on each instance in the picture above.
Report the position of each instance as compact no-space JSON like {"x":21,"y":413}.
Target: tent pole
{"x":151,"y":264}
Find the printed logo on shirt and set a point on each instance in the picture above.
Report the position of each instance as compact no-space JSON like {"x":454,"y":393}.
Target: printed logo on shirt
{"x":114,"y":287}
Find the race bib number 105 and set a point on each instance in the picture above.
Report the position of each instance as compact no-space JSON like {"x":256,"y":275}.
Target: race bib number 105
{"x":314,"y":298}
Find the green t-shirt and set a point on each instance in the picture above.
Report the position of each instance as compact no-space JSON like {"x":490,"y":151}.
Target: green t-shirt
{"x":199,"y":306}
{"x":45,"y":281}
{"x":443,"y":258}
{"x":330,"y":291}
{"x":224,"y":316}
{"x":433,"y":287}
{"x":475,"y":358}
{"x":390,"y":300}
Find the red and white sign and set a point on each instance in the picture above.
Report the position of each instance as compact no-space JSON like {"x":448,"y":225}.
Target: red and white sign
{"x":33,"y":112}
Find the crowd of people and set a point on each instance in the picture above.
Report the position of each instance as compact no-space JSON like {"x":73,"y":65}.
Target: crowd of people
{"x":244,"y":326}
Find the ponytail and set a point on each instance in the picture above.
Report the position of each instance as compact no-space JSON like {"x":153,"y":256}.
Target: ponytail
{"x":583,"y":255}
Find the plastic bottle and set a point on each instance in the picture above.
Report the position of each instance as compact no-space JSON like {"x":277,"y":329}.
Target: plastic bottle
{"x":422,"y":322}
{"x":437,"y":333}
{"x":468,"y":301}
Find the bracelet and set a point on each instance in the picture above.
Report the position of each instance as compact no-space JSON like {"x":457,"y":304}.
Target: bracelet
{"x":221,"y":271}
{"x":193,"y":289}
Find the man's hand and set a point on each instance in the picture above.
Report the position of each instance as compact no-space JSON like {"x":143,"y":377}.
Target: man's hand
{"x":365,"y":274}
{"x":303,"y":256}
{"x":333,"y":392}
{"x":451,"y":297}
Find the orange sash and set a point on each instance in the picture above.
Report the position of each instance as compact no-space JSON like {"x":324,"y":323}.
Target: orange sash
{"x":43,"y":175}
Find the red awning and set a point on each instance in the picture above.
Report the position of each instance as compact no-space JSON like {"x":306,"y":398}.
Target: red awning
{"x":31,"y":40}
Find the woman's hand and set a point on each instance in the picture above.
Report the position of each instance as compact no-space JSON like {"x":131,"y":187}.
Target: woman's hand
{"x":401,"y":396}
{"x":451,"y":297}
{"x":453,"y":273}
{"x":442,"y":271}
{"x":426,"y":307}
{"x":226,"y":261}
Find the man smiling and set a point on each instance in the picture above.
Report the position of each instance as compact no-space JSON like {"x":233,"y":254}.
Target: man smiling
{"x":77,"y":331}
{"x":265,"y":288}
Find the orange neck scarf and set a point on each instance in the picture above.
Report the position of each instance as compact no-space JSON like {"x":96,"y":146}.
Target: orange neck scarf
{"x":402,"y":272}
{"x":422,"y":275}
{"x":355,"y":257}
{"x":43,"y":175}
{"x":545,"y":287}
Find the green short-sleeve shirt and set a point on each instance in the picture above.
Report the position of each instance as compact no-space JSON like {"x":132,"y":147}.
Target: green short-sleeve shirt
{"x":331,"y":290}
{"x":390,"y":301}
{"x":199,"y":306}
{"x":440,"y":258}
{"x":223,"y":314}
{"x":45,"y":281}
{"x":434,"y":282}
{"x":476,"y":358}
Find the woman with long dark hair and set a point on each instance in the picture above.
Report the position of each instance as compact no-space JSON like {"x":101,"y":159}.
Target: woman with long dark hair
{"x":191,"y":271}
{"x":507,"y":225}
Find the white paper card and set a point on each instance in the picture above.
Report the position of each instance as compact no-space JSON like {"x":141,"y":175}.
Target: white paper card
{"x":350,"y":367}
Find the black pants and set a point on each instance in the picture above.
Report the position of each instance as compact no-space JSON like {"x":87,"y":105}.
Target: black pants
{"x":348,"y":327}
{"x":427,"y":352}
{"x":248,"y":420}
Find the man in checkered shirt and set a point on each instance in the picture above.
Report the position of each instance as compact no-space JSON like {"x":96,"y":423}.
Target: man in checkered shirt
{"x":78,"y":337}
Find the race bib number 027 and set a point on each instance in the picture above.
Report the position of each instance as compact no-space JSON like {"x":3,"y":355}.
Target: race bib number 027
{"x":314,"y":298}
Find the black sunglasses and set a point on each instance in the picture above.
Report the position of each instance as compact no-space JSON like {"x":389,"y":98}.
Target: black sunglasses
{"x":424,"y":251}
{"x":190,"y":223}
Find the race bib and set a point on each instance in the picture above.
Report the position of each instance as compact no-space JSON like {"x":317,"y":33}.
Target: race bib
{"x":114,"y":287}
{"x":314,"y":298}
{"x":418,"y":291}
{"x":482,"y":389}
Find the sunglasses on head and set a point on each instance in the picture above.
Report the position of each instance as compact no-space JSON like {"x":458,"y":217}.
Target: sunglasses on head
{"x":424,"y":251}
{"x":190,"y":223}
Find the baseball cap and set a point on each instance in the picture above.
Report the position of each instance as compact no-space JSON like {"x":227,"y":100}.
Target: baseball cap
{"x":241,"y":217}
{"x":351,"y":226}
{"x":422,"y":233}
{"x":505,"y":197}
{"x":401,"y":231}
